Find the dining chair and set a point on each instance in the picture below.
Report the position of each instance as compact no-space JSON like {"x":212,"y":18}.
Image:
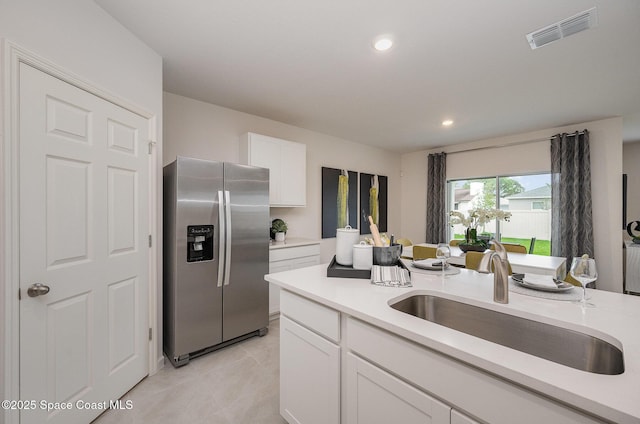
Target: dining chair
{"x":423,"y":252}
{"x":455,"y":242}
{"x":569,"y":279}
{"x":404,"y":242}
{"x":472,"y":260}
{"x":513,"y":247}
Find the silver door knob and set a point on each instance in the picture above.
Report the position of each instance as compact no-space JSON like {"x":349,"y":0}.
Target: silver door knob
{"x":37,"y":289}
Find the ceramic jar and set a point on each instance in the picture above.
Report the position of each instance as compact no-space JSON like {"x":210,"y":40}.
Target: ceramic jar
{"x":362,"y":256}
{"x":345,"y":239}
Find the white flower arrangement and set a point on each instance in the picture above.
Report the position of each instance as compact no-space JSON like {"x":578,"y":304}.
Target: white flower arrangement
{"x":477,"y":216}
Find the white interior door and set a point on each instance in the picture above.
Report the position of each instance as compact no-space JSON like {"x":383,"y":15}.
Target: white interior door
{"x":83,"y":233}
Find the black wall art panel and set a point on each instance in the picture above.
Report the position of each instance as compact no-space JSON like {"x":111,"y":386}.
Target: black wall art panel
{"x":339,"y":200}
{"x":373,"y":201}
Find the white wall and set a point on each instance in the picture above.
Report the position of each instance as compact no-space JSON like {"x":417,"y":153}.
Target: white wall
{"x":203,"y":130}
{"x":80,"y":37}
{"x":631,"y":167}
{"x":606,"y":170}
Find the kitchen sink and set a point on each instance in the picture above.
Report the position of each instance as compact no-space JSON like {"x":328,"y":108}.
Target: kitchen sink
{"x":561,"y":345}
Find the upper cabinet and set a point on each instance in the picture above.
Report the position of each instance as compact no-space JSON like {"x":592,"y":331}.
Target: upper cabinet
{"x":287,"y":164}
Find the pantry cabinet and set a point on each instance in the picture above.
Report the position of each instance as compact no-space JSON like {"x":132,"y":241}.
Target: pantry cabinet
{"x":287,"y":164}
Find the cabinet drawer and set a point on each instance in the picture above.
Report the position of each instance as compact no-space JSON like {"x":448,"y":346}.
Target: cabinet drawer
{"x":466,"y":388}
{"x":319,"y":318}
{"x":284,"y":253}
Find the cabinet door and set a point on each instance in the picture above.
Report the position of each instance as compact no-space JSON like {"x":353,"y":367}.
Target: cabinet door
{"x":265,"y":152}
{"x":309,"y":376}
{"x":459,"y":418}
{"x":293,"y":181}
{"x":376,"y":397}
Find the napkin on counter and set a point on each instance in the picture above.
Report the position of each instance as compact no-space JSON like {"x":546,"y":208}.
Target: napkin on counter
{"x":540,"y":280}
{"x":392,"y":276}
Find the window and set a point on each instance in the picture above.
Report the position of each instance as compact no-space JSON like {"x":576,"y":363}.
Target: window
{"x":527,"y":197}
{"x":537,"y":205}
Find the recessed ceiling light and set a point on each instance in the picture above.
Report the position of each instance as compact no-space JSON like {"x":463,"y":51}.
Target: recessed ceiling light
{"x":447,"y":123}
{"x":382,"y":43}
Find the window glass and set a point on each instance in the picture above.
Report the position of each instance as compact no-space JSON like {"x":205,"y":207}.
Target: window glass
{"x":527,"y":197}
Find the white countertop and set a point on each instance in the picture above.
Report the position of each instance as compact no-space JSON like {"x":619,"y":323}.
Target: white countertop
{"x":615,"y":319}
{"x":292,"y":242}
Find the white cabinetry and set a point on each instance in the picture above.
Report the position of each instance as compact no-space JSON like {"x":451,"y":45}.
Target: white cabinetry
{"x":309,"y":362}
{"x":287,"y":164}
{"x":312,"y":379}
{"x":376,"y":397}
{"x":285,"y":259}
{"x":481,"y":395}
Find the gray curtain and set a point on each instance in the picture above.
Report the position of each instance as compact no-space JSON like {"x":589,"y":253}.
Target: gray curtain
{"x":572,"y":219}
{"x":437,"y":198}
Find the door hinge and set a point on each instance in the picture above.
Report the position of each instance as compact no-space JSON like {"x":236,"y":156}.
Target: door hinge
{"x":19,"y":294}
{"x":150,"y":240}
{"x":151,"y":144}
{"x":150,"y":334}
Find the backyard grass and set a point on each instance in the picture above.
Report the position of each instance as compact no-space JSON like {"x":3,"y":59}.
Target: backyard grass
{"x":542,"y":247}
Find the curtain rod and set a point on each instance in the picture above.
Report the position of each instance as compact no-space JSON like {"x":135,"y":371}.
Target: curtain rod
{"x":518,"y":143}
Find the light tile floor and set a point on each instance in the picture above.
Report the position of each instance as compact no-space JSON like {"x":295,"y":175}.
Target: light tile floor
{"x":235,"y":385}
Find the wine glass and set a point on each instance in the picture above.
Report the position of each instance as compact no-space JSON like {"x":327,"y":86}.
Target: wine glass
{"x":583,"y":269}
{"x":443,"y":252}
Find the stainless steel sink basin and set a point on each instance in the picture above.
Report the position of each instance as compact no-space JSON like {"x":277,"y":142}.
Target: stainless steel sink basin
{"x":557,"y":344}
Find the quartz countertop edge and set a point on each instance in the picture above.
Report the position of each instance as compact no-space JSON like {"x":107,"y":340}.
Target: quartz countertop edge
{"x":615,"y":398}
{"x":292,"y":242}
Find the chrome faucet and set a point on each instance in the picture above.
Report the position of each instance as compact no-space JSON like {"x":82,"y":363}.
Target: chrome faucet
{"x":498,"y":259}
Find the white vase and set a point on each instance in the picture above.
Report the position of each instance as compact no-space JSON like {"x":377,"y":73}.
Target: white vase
{"x":280,"y":236}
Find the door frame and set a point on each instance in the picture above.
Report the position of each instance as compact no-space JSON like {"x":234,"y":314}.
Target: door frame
{"x":11,"y":56}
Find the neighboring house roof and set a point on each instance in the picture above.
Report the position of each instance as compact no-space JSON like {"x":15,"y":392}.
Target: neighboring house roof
{"x":462,"y":195}
{"x":536,"y":193}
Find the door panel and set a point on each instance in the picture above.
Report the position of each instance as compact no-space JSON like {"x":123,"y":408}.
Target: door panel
{"x":246,"y":297}
{"x":83,"y":187}
{"x":67,"y":211}
{"x":69,"y":330}
{"x":122,"y":221}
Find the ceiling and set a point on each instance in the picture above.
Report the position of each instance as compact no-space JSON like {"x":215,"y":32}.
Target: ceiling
{"x":311,"y":64}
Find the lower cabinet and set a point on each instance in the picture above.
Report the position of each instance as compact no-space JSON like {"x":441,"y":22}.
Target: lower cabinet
{"x":309,"y":376}
{"x":317,"y":387}
{"x":376,"y":397}
{"x":478,"y":393}
{"x":286,"y":259}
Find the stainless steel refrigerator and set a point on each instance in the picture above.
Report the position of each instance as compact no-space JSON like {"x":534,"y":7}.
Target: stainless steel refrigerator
{"x":216,"y":253}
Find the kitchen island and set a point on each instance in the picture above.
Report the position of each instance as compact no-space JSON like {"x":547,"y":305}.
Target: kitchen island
{"x":347,"y":356}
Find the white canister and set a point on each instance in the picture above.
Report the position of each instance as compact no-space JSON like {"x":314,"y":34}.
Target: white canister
{"x":362,"y":256}
{"x":345,"y":239}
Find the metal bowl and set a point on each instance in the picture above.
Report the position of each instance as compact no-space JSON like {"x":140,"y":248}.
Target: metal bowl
{"x":387,"y":255}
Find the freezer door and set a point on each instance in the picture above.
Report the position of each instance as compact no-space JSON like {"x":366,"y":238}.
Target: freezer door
{"x":246,"y":293}
{"x":197,"y":296}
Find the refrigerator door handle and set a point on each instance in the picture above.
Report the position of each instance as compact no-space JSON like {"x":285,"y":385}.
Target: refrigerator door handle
{"x":227,"y":265}
{"x":221,"y":241}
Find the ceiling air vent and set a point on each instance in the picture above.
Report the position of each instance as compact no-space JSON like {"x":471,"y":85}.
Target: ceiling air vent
{"x":566,"y":27}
